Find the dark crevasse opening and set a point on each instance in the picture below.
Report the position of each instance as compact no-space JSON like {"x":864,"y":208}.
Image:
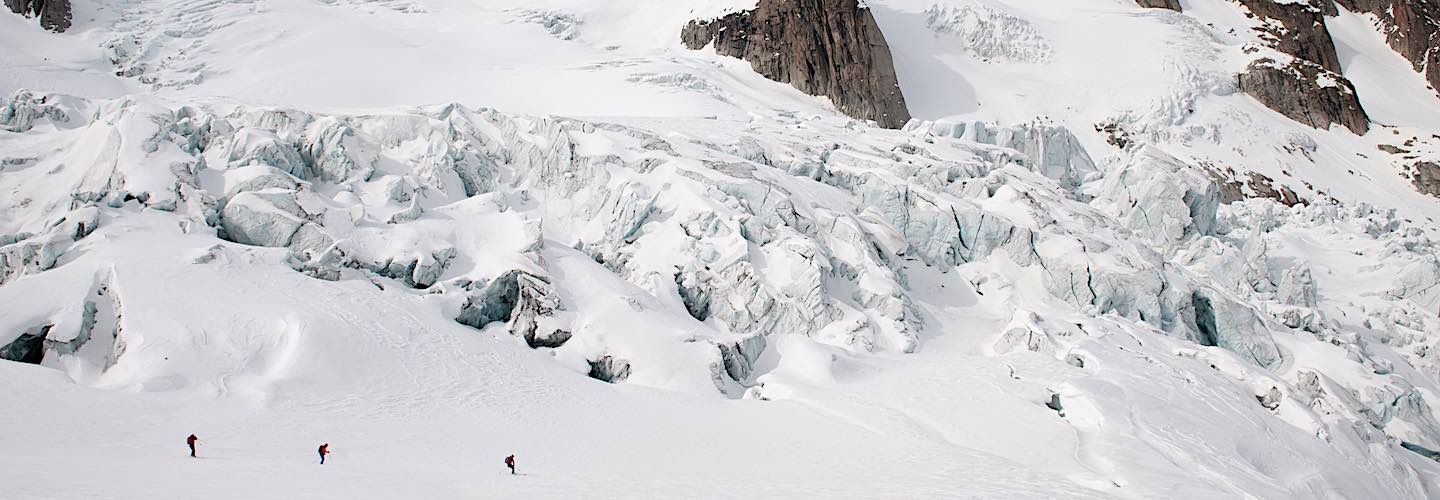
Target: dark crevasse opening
{"x":28,"y":348}
{"x":696,"y":298}
{"x":1421,"y":450}
{"x":1205,"y":320}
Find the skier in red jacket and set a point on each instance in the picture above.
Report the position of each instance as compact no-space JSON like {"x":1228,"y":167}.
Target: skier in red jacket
{"x":324,"y":450}
{"x":191,"y":441}
{"x":510,"y":462}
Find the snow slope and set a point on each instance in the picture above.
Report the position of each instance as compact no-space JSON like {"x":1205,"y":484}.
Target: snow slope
{"x":265,"y":222}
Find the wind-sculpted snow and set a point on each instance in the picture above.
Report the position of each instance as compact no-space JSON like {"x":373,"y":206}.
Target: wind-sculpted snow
{"x":748,"y":260}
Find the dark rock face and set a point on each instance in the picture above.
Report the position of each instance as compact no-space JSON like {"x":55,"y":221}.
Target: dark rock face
{"x":830,"y":48}
{"x":1236,"y":187}
{"x":1297,"y":92}
{"x":1308,"y":89}
{"x":1425,"y":176}
{"x":54,"y":14}
{"x":1160,"y":4}
{"x":1297,"y":29}
{"x":1412,"y":28}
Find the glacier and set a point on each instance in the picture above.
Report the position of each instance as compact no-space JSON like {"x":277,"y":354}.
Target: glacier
{"x":703,"y":284}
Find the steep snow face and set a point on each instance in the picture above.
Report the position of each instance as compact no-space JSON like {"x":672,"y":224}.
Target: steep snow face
{"x":723,"y":282}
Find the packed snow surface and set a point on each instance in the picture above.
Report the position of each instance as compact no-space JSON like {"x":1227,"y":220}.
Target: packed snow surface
{"x":433,"y":233}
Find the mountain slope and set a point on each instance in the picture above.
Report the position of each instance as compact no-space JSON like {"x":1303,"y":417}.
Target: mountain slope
{"x":430,"y":232}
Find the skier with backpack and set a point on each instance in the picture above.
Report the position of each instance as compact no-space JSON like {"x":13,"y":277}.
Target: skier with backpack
{"x":191,"y":441}
{"x":324,"y":450}
{"x":510,"y":462}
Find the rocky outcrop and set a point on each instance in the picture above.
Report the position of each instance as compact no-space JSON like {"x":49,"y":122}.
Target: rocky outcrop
{"x":829,"y":48}
{"x":1305,"y":92}
{"x":1160,"y":4}
{"x":1236,"y":186}
{"x":1412,"y":28}
{"x":54,"y":14}
{"x":1425,"y":176}
{"x":1308,"y":87}
{"x":1297,"y":27}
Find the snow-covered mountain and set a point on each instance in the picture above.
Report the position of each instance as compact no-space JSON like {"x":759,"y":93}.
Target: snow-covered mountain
{"x":679,"y":249}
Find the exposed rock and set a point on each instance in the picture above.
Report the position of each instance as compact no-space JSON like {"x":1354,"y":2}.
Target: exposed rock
{"x":1308,"y":89}
{"x":1235,"y":187}
{"x":1297,"y":28}
{"x":1264,"y":187}
{"x":1160,"y":4}
{"x":1425,"y":176}
{"x":1388,"y":148}
{"x":1412,"y":28}
{"x":54,"y":14}
{"x":830,"y":48}
{"x":1305,"y":92}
